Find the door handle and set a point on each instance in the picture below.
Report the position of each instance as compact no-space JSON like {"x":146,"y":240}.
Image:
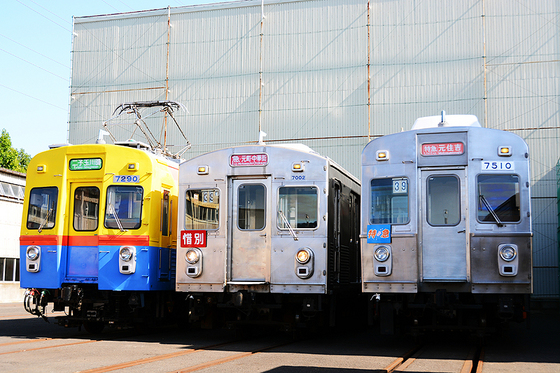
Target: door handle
{"x":462,"y":231}
{"x":263,"y":235}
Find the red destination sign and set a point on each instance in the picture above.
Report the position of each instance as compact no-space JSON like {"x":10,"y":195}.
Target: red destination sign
{"x":193,"y":238}
{"x":240,"y":160}
{"x":445,"y":148}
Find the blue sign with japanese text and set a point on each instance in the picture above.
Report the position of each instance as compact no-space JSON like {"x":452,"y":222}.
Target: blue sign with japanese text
{"x":379,"y":233}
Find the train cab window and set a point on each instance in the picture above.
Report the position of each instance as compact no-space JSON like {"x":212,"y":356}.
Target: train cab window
{"x":202,"y":209}
{"x":498,"y":196}
{"x":124,"y":207}
{"x":443,"y":200}
{"x":86,"y":208}
{"x":297,"y":207}
{"x":389,"y":201}
{"x":251,"y":207}
{"x":42,"y":208}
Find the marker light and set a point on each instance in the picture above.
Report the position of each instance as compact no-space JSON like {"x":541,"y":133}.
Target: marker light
{"x":132,"y":166}
{"x":125,"y":253}
{"x":381,"y":253}
{"x":191,"y":256}
{"x":32,"y":252}
{"x":297,"y":167}
{"x":508,"y":253}
{"x":382,"y":155}
{"x":202,"y":170}
{"x":41,"y":168}
{"x":504,"y":151}
{"x":303,"y":256}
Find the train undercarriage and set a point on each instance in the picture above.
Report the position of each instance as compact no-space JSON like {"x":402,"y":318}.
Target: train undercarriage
{"x":285,"y":312}
{"x":85,"y":305}
{"x":446,"y":311}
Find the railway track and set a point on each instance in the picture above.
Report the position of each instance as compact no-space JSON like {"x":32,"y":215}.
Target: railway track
{"x":196,"y":367}
{"x":434,"y":357}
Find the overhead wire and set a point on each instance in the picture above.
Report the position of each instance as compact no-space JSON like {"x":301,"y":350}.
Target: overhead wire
{"x":44,"y":16}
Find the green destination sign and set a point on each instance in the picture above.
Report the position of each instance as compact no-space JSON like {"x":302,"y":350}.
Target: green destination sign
{"x":86,"y":164}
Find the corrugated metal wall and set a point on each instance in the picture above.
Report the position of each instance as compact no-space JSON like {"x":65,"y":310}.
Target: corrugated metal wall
{"x":301,"y":74}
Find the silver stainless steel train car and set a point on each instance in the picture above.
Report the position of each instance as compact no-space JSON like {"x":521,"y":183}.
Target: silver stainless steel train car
{"x":267,"y":233}
{"x":446,"y":225}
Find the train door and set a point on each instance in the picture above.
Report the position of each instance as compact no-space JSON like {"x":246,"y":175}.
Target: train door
{"x":83,"y":253}
{"x":250,"y":228}
{"x":443,"y":213}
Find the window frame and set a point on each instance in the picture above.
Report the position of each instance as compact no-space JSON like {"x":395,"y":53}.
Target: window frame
{"x":54,"y":214}
{"x":98,"y":209}
{"x":201,"y":190}
{"x":279,"y":220}
{"x":138,"y":225}
{"x":492,"y":221}
{"x":264,"y":210}
{"x":428,"y":200}
{"x":392,"y":179}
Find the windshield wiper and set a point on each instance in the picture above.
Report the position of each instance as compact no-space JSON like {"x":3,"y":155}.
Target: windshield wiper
{"x":113,"y":212}
{"x":40,"y":229}
{"x":292,"y":232}
{"x":491,"y":210}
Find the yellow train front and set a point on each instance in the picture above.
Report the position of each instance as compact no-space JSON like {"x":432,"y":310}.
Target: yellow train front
{"x":446,"y":226}
{"x":97,"y":238}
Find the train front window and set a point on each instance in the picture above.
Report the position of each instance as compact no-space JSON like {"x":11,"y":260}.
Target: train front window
{"x":202,"y":209}
{"x":443,"y":200}
{"x":251,"y":207}
{"x":498,"y":196}
{"x":297,"y":207}
{"x":86,"y":208}
{"x":124,"y":207}
{"x":42,"y":208}
{"x":389,"y":201}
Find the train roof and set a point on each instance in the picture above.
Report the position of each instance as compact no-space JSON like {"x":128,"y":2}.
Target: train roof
{"x":438,"y":121}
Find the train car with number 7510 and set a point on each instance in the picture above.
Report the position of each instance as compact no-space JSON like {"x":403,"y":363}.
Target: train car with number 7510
{"x":446,"y":226}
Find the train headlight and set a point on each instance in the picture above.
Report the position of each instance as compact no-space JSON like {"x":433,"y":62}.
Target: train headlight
{"x":126,"y":253}
{"x":127,"y":260}
{"x":33,"y":258}
{"x":508,"y":253}
{"x":192,"y":256}
{"x":381,"y":253}
{"x":304,"y":263}
{"x":33,"y":252}
{"x":303,"y":256}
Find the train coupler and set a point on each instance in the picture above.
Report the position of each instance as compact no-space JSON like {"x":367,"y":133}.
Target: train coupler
{"x":35,"y":302}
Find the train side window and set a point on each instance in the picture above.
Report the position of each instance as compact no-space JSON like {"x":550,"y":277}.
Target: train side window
{"x":42,"y":208}
{"x":297,"y":207}
{"x":86,"y":208}
{"x":165,"y":214}
{"x":501,"y":194}
{"x":202,"y":209}
{"x":443,"y":200}
{"x":124,"y":207}
{"x":389,"y":201}
{"x":251,"y":207}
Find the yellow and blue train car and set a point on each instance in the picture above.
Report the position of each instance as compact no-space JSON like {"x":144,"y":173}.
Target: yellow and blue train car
{"x":97,"y":237}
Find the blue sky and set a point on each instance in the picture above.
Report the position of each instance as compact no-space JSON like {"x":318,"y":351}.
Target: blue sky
{"x":35,"y":60}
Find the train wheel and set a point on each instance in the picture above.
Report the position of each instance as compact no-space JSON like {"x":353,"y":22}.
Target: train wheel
{"x":94,"y":327}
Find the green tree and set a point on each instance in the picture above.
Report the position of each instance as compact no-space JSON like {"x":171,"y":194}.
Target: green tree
{"x":10,"y":158}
